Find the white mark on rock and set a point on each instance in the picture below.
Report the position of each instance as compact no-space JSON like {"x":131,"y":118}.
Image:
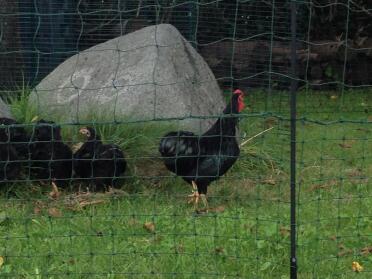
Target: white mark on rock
{"x":80,"y":81}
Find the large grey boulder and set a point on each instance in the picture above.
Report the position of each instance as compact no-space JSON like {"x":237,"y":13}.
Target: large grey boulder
{"x":4,"y":110}
{"x":145,"y":75}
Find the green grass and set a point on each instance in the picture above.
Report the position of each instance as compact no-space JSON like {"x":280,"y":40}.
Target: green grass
{"x":246,"y":234}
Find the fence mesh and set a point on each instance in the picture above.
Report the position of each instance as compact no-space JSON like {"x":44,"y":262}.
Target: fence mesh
{"x":143,"y":226}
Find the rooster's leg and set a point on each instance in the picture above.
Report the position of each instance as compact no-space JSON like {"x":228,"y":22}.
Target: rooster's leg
{"x":55,"y":192}
{"x":194,"y":187}
{"x":205,"y":201}
{"x":194,"y":197}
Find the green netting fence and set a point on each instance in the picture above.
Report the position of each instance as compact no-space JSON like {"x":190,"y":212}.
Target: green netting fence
{"x":296,"y":203}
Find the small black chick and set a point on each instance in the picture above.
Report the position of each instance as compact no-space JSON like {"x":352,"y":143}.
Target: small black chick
{"x":50,"y":157}
{"x":18,"y":137}
{"x":100,"y":164}
{"x":10,"y":166}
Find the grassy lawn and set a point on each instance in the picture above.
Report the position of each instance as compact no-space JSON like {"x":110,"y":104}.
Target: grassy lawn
{"x":147,"y":230}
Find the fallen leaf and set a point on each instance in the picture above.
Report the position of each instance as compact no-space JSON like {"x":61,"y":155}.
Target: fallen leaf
{"x":218,"y":209}
{"x":54,"y":194}
{"x":354,"y":172}
{"x":37,"y":210}
{"x":1,"y":261}
{"x":366,"y":251}
{"x":284,"y":231}
{"x":325,"y":186}
{"x":345,"y":252}
{"x":269,"y":181}
{"x":54,"y":212}
{"x":39,"y":203}
{"x":86,"y":203}
{"x":347,"y":144}
{"x":334,"y":97}
{"x":116,"y":192}
{"x":149,"y":226}
{"x":356,"y":267}
{"x":78,"y":201}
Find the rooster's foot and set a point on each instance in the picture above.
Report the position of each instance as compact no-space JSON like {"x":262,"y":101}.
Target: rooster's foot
{"x":194,"y":198}
{"x":205,"y":203}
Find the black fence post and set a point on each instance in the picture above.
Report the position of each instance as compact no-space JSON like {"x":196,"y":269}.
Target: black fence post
{"x":293,"y":103}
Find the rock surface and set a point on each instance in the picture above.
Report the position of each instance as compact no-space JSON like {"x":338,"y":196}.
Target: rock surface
{"x":4,"y":110}
{"x":149,"y":74}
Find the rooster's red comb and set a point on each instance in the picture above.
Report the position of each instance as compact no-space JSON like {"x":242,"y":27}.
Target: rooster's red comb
{"x":238,"y":91}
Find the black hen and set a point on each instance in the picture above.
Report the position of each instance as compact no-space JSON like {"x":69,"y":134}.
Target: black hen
{"x":100,"y":164}
{"x":18,"y":137}
{"x":199,"y":160}
{"x":51,"y":159}
{"x":9,"y":161}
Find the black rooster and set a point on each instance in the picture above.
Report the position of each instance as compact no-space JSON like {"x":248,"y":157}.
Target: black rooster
{"x":199,"y":160}
{"x":51,"y":159}
{"x":18,"y":137}
{"x":9,"y":161}
{"x":100,"y":164}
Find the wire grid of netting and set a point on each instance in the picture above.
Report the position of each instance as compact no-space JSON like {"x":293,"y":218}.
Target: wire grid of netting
{"x":334,"y":139}
{"x":39,"y":35}
{"x":146,"y":228}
